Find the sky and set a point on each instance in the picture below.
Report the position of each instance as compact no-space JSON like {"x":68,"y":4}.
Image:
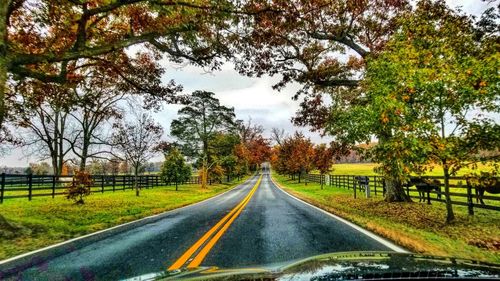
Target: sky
{"x":251,"y":97}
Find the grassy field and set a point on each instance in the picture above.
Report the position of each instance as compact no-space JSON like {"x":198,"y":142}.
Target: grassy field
{"x":45,"y":221}
{"x":418,"y":227}
{"x":366,"y":169}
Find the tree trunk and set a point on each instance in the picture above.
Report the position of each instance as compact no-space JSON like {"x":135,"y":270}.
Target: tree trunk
{"x":394,"y":188}
{"x":395,"y":192}
{"x":60,"y":142}
{"x":299,"y":177}
{"x":321,"y":180}
{"x":54,"y":166}
{"x":204,"y":173}
{"x":176,"y":188}
{"x":83,"y":157}
{"x":450,"y":216}
{"x":4,"y":7}
{"x":136,"y":180}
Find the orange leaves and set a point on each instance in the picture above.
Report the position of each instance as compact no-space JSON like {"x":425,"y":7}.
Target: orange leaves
{"x":384,"y":119}
{"x":79,"y":187}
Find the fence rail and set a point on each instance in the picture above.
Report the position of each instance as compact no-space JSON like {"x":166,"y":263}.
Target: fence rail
{"x":29,"y":186}
{"x":460,"y":193}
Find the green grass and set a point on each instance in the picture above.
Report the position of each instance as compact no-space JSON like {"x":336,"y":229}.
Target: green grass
{"x":415,"y":226}
{"x":366,"y":169}
{"x":45,"y":221}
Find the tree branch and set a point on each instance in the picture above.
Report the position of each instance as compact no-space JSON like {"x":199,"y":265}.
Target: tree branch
{"x":341,"y":39}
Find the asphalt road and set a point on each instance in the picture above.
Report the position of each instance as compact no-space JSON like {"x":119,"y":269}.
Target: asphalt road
{"x":269,"y":227}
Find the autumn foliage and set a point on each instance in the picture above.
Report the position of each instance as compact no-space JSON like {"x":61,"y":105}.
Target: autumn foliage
{"x":297,"y":156}
{"x":79,"y":188}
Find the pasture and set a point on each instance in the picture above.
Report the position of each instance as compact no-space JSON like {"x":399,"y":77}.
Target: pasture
{"x":366,"y":169}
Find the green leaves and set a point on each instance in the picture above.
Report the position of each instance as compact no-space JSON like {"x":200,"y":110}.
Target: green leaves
{"x":200,"y":121}
{"x":174,"y":169}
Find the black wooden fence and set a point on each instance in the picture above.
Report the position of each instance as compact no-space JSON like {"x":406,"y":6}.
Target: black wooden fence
{"x":29,"y":186}
{"x":461,"y":194}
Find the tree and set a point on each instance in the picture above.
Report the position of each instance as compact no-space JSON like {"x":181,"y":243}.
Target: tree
{"x":216,"y":173}
{"x":248,"y":131}
{"x":277,"y":135}
{"x":259,"y":150}
{"x":302,"y":154}
{"x":230,"y":165}
{"x":307,"y":42}
{"x":49,"y":40}
{"x":124,"y":167}
{"x":197,"y":125}
{"x":43,"y":110}
{"x":323,"y":160}
{"x":421,"y":90}
{"x":292,"y":41}
{"x":242,"y":154}
{"x":295,"y":156}
{"x":42,"y":168}
{"x":79,"y":188}
{"x":96,"y":103}
{"x":113,"y":166}
{"x":174,"y":169}
{"x":96,"y":167}
{"x":136,"y":140}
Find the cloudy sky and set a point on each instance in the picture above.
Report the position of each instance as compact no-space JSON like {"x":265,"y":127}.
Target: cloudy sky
{"x":251,"y":97}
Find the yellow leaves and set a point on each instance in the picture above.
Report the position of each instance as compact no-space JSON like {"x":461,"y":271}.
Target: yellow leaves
{"x":406,"y":170}
{"x":482,"y":83}
{"x":406,"y":98}
{"x":468,"y":72}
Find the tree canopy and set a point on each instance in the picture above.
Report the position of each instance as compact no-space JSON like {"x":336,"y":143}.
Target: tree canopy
{"x":174,"y":169}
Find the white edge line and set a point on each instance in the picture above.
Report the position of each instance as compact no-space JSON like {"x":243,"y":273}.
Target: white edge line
{"x":372,"y":235}
{"x":116,"y":226}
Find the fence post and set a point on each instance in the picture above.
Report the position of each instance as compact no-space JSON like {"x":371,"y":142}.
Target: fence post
{"x":53,"y":186}
{"x":114,"y":181}
{"x":102,"y":183}
{"x":470,"y":205}
{"x":30,"y":186}
{"x":367,"y":188}
{"x":375,"y":184}
{"x":2,"y":188}
{"x":408,"y":190}
{"x":354,"y":187}
{"x":123,"y":182}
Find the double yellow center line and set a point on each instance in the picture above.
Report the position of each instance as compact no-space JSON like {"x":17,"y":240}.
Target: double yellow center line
{"x":220,"y":228}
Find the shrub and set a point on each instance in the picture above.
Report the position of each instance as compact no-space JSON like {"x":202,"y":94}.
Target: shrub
{"x":79,"y":187}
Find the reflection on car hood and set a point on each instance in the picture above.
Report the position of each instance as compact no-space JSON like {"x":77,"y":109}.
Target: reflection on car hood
{"x":350,"y":265}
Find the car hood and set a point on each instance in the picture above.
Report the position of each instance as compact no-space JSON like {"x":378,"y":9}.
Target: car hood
{"x":349,"y":265}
